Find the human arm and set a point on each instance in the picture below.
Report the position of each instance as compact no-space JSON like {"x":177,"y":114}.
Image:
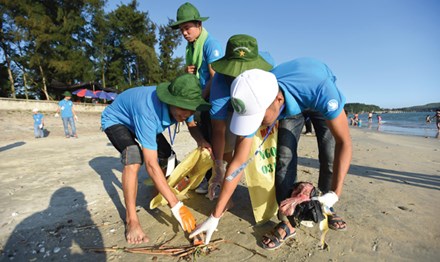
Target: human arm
{"x":190,"y":69}
{"x":218,"y":139}
{"x":183,"y":215}
{"x":74,"y":113}
{"x":207,"y":89}
{"x":242,"y":148}
{"x":198,"y":137}
{"x":343,"y":150}
{"x":218,"y":145}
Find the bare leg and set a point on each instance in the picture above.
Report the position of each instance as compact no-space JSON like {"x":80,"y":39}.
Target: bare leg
{"x":134,"y":233}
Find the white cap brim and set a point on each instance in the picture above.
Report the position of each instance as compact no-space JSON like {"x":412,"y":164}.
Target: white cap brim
{"x":244,"y":125}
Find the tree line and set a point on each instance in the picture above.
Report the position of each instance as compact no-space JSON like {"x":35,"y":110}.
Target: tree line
{"x":70,"y":42}
{"x":354,"y":108}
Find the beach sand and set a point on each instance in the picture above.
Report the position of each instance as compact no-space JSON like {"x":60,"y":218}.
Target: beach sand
{"x":60,"y":197}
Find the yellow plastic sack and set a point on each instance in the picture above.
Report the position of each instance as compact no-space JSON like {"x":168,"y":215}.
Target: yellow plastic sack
{"x":194,"y":167}
{"x":260,"y":175}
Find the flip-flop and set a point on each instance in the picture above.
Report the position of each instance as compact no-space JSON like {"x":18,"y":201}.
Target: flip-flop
{"x":334,"y":220}
{"x":276,"y":238}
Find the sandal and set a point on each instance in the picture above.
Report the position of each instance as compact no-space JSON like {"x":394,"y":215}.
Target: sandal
{"x":276,"y":238}
{"x":336,"y":222}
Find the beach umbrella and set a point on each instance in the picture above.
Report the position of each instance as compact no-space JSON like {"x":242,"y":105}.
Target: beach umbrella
{"x":101,"y":94}
{"x":112,"y":95}
{"x":105,"y":95}
{"x":84,"y":93}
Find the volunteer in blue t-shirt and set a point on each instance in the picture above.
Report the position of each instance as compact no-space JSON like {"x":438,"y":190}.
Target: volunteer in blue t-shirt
{"x":38,"y":123}
{"x":260,"y":98}
{"x":68,"y":115}
{"x":202,"y":50}
{"x":142,"y":114}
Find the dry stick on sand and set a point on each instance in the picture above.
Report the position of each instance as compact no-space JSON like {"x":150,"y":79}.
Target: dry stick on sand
{"x":179,"y":251}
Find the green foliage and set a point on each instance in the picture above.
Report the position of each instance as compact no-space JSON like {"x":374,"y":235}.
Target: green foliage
{"x":421,"y":108}
{"x":76,"y":41}
{"x":353,"y":108}
{"x":4,"y":82}
{"x":168,"y":41}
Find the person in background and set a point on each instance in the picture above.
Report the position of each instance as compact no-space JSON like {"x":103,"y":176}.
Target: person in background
{"x":437,"y":119}
{"x":38,"y":123}
{"x":428,"y":119}
{"x":370,"y":117}
{"x":260,"y":98}
{"x":141,"y":114}
{"x":379,"y":119}
{"x":68,"y":115}
{"x":202,"y":50}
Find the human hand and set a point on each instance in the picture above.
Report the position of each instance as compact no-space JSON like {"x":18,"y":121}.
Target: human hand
{"x":328,"y":199}
{"x":76,"y":118}
{"x":191,"y":69}
{"x":204,"y":144}
{"x":184,"y":216}
{"x":216,"y":181}
{"x":209,"y":226}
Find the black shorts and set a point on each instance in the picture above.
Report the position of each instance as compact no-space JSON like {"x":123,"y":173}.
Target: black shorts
{"x":121,"y":137}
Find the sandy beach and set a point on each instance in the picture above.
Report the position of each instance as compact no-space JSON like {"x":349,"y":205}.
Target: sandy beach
{"x":60,"y":197}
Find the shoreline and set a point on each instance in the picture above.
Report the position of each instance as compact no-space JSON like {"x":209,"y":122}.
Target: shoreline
{"x":64,"y":195}
{"x":434,"y":134}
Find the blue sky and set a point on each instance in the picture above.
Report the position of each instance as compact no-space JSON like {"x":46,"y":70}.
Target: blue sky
{"x":383,"y":52}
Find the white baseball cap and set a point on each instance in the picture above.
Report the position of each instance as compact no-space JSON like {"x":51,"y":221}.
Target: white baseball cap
{"x":252,"y":92}
{"x":35,"y":110}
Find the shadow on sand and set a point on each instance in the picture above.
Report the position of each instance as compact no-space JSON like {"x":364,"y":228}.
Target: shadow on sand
{"x":60,"y":232}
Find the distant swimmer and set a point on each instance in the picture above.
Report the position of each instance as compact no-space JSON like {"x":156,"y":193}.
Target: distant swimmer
{"x":428,"y":119}
{"x":370,"y":117}
{"x":437,"y":117}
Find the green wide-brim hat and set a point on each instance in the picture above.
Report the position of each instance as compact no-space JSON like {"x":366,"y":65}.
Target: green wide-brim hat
{"x":241,"y":55}
{"x":187,"y":12}
{"x":67,"y":93}
{"x":184,"y":92}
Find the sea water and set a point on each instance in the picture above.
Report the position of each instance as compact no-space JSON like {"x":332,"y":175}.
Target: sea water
{"x":409,"y":123}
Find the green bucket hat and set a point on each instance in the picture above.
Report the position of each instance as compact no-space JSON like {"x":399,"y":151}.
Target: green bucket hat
{"x":67,"y":93}
{"x":184,"y":92}
{"x":241,"y":55}
{"x":187,"y":12}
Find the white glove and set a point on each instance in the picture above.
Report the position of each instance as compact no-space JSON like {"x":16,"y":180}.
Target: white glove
{"x":40,"y":126}
{"x":216,"y":181}
{"x":56,"y":115}
{"x":328,"y":199}
{"x":209,"y":226}
{"x":184,"y":216}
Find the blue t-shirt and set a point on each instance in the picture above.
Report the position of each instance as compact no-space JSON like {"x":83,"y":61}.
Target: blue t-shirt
{"x":309,"y":84}
{"x":37,"y":118}
{"x":220,"y":96}
{"x":66,"y":108}
{"x":212,"y":51}
{"x":142,"y":112}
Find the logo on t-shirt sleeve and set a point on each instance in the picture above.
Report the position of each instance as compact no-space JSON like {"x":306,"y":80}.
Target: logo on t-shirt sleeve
{"x":332,"y":105}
